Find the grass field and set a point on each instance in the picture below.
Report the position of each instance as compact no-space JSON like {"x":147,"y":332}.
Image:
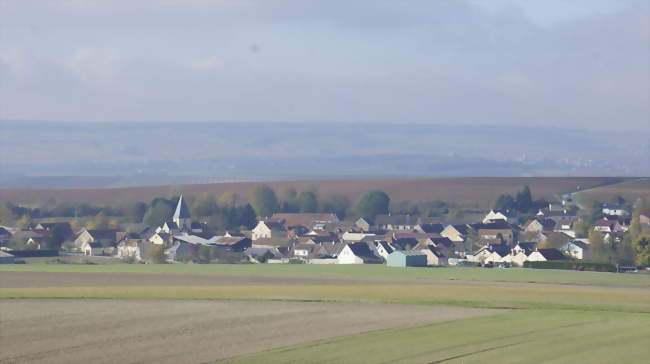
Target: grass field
{"x":363,"y":271}
{"x":552,"y":316}
{"x":460,"y":190}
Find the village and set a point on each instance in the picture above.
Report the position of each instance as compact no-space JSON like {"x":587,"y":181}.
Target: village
{"x":556,"y":233}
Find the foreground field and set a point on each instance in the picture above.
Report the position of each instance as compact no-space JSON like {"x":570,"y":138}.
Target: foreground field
{"x":532,"y":315}
{"x":172,"y":331}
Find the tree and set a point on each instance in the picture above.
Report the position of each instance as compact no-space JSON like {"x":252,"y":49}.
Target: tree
{"x":156,"y":254}
{"x":228,"y":199}
{"x":642,"y":249}
{"x":114,"y":224}
{"x":334,"y":203}
{"x":264,"y":201}
{"x":58,"y":237}
{"x":6,"y":215}
{"x":471,"y":240}
{"x":206,"y":206}
{"x":135,"y":212}
{"x":159,"y":212}
{"x":581,"y":228}
{"x":24,"y":222}
{"x":290,"y":200}
{"x":600,"y":251}
{"x":247,"y":217}
{"x":504,"y":202}
{"x":307,"y":201}
{"x":635,"y":225}
{"x":524,"y":200}
{"x":555,"y":240}
{"x":642,"y":206}
{"x":373,"y":203}
{"x":100,"y":222}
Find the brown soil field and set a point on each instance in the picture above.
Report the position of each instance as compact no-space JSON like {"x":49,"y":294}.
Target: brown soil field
{"x":171,"y":331}
{"x":630,"y":190}
{"x":462,"y":190}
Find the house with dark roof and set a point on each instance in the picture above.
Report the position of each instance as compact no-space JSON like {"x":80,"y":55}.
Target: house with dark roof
{"x":62,"y":228}
{"x":456,"y":232}
{"x":545,"y":255}
{"x":357,"y":253}
{"x":539,"y":225}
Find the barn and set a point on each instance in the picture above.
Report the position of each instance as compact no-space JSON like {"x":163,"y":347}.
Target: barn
{"x":407,"y":258}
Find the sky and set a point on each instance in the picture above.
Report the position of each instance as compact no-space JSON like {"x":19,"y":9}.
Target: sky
{"x":559,"y":63}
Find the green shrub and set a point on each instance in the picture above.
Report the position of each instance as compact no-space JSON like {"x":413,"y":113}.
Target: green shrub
{"x":573,"y":265}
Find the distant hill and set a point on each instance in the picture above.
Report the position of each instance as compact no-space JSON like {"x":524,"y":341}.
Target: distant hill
{"x":472,"y":190}
{"x":87,"y":155}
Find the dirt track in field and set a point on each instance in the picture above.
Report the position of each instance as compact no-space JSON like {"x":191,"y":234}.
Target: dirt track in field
{"x":175,"y":331}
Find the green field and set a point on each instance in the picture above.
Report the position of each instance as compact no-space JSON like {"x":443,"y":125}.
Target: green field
{"x":355,"y":271}
{"x":553,"y":316}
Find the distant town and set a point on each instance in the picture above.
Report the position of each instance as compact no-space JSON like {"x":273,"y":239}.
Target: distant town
{"x":300,"y":228}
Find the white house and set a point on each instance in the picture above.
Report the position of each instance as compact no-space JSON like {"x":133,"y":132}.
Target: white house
{"x":268,"y":229}
{"x":357,"y":253}
{"x":455,"y":233}
{"x":616,"y":210}
{"x":498,"y":215}
{"x":578,"y":249}
{"x":383,"y":248}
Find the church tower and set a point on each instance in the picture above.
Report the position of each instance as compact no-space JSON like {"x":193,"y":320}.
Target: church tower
{"x":182,"y":216}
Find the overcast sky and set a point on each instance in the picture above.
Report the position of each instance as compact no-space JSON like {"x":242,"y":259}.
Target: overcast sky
{"x":582,"y":63}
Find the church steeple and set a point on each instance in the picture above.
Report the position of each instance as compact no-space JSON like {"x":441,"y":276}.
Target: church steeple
{"x":182,"y":216}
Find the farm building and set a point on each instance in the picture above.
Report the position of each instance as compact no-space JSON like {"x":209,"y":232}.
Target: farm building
{"x":403,"y":258}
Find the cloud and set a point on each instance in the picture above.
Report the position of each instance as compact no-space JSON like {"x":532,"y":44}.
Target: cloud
{"x":210,"y":63}
{"x":324,"y":60}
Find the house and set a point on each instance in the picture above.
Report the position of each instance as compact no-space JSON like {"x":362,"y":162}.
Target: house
{"x":403,"y":222}
{"x":455,"y":233}
{"x":130,"y":249}
{"x":6,"y":258}
{"x":545,"y":255}
{"x":38,"y":242}
{"x":518,"y":258}
{"x":233,"y":243}
{"x":498,"y":253}
{"x":96,"y":242}
{"x":496,"y":231}
{"x":608,"y":226}
{"x":434,"y":256}
{"x":526,"y":248}
{"x":62,"y":228}
{"x":411,"y":258}
{"x":539,"y":225}
{"x":354,"y":237}
{"x":269,"y":229}
{"x":5,"y":236}
{"x":304,"y":220}
{"x":429,"y":228}
{"x":578,"y":249}
{"x":383,"y":248}
{"x":160,"y":238}
{"x":357,"y":253}
{"x":614,"y":209}
{"x":363,"y":224}
{"x":495,"y":215}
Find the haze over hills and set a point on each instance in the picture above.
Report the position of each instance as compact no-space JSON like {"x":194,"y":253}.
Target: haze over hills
{"x":91,"y":155}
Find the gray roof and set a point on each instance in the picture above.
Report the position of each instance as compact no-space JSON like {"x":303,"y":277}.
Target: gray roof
{"x":182,"y":212}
